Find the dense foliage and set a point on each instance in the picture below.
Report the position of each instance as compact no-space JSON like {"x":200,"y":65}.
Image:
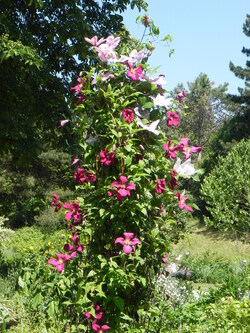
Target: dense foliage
{"x":226,"y":190}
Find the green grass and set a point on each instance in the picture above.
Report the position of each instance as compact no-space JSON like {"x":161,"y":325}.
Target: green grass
{"x":202,"y":241}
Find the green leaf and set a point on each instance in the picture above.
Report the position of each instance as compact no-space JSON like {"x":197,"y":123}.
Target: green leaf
{"x":51,"y":310}
{"x":91,"y":273}
{"x":37,"y":300}
{"x":119,"y":303}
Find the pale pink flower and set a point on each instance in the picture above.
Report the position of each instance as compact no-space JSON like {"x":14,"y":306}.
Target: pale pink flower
{"x":128,"y":242}
{"x":94,"y":41}
{"x":182,"y":204}
{"x":159,"y":81}
{"x":133,"y":57}
{"x":63,"y":122}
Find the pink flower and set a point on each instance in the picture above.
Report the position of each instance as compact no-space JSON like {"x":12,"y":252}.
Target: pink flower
{"x":188,"y":150}
{"x":63,"y":122}
{"x":80,"y":176}
{"x":182,"y":204}
{"x":74,"y":212}
{"x":160,"y":186}
{"x":173,"y":182}
{"x":94,"y":41}
{"x":133,"y":57}
{"x":180,"y":95}
{"x":56,"y":202}
{"x":128,"y":115}
{"x":128,"y":242}
{"x":134,"y":73}
{"x":98,"y":314}
{"x":164,"y":259}
{"x":122,"y":190}
{"x":170,"y":151}
{"x":73,"y":249}
{"x":59,"y":264}
{"x":91,"y":176}
{"x":173,"y":119}
{"x":146,"y":20}
{"x":159,"y":81}
{"x":107,"y":158}
{"x":99,"y":329}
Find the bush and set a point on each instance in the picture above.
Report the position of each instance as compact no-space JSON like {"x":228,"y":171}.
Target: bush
{"x":226,"y":191}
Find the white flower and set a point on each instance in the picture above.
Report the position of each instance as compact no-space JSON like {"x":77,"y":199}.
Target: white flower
{"x":141,"y":113}
{"x":158,"y":80}
{"x":160,"y":100}
{"x":185,"y":169}
{"x":149,"y":127}
{"x":172,"y":268}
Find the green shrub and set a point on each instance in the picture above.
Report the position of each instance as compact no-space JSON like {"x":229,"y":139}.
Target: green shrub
{"x":226,"y":191}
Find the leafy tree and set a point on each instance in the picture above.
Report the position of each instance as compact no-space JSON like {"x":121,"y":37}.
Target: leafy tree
{"x":205,"y":109}
{"x":41,"y":47}
{"x":226,"y":190}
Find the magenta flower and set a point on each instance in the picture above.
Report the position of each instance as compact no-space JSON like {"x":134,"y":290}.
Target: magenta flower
{"x":146,"y":20}
{"x":164,"y":259}
{"x":160,"y":186}
{"x":73,"y":249}
{"x":107,"y":158}
{"x":99,"y":329}
{"x":188,"y":150}
{"x":91,"y":176}
{"x":134,"y":73}
{"x":59,"y":264}
{"x":170,"y":151}
{"x":128,"y":242}
{"x":98,"y":314}
{"x":74,"y":212}
{"x":180,"y":95}
{"x":122,"y":189}
{"x":128,"y":115}
{"x":182,"y":204}
{"x":80,"y":176}
{"x":173,"y":181}
{"x":55,"y":202}
{"x":173,"y":119}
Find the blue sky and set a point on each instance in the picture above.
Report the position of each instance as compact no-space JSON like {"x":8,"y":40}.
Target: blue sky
{"x":206,"y":36}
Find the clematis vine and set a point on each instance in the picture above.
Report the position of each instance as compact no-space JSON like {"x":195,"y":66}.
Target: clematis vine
{"x":171,"y":151}
{"x":186,"y":169}
{"x":133,"y":57}
{"x":160,"y":186}
{"x":73,"y":249}
{"x":80,"y":176}
{"x":173,"y":181}
{"x":159,"y":81}
{"x":122,"y":189}
{"x":160,"y":100}
{"x":94,"y":41}
{"x":182,"y":204}
{"x":150,"y":127}
{"x":99,"y":329}
{"x":128,"y":115}
{"x":103,"y":77}
{"x":107,"y":158}
{"x":74,"y":212}
{"x":172,"y":119}
{"x":60,"y":262}
{"x":128,"y":242}
{"x":180,"y":95}
{"x":55,"y":202}
{"x":134,"y":73}
{"x":91,"y":176}
{"x":188,"y":150}
{"x":98,"y":314}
